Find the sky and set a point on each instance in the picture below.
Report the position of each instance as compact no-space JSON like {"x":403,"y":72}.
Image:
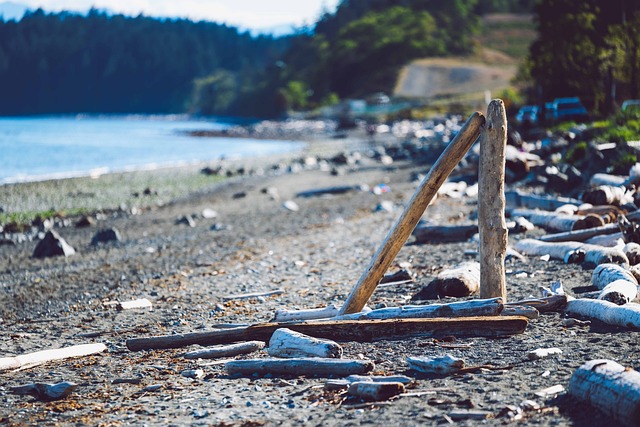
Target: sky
{"x":249,"y":14}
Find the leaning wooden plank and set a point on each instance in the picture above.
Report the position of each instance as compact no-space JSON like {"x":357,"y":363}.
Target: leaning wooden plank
{"x":610,"y":387}
{"x":572,"y":252}
{"x":534,"y":201}
{"x":299,"y":366}
{"x":287,"y":343}
{"x":627,"y":316}
{"x":476,"y":307}
{"x":226,"y":350}
{"x":32,"y":359}
{"x":405,"y":224}
{"x":346,"y":330}
{"x":284,"y":315}
{"x":580,"y":235}
{"x":491,"y":203}
{"x":460,"y":281}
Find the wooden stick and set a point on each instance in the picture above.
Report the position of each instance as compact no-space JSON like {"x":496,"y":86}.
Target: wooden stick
{"x":580,"y":235}
{"x":559,"y":221}
{"x":291,"y":344}
{"x":375,"y":391}
{"x":402,"y":229}
{"x":475,"y":307}
{"x":253,"y":295}
{"x":39,"y":357}
{"x":284,"y":315}
{"x":610,"y":387}
{"x":299,"y":366}
{"x":443,"y":365}
{"x":226,"y":350}
{"x":345,"y":330}
{"x":491,"y":203}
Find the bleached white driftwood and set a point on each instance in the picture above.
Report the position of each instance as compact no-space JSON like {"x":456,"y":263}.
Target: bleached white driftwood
{"x":541,"y":353}
{"x":616,"y":283}
{"x":344,"y":383}
{"x":533,"y":201}
{"x":299,"y":366}
{"x":606,"y":273}
{"x":442,"y":365}
{"x":606,"y":179}
{"x":375,"y":391}
{"x":627,"y":316}
{"x":229,"y":350}
{"x":460,"y":281}
{"x":632,"y":251}
{"x":610,"y":387}
{"x":619,"y":292}
{"x":284,"y":315}
{"x":558,"y":221}
{"x":607,"y":195}
{"x":287,"y":343}
{"x":635,"y":271}
{"x":479,"y":307}
{"x":32,"y":359}
{"x":572,"y":251}
{"x":614,"y":240}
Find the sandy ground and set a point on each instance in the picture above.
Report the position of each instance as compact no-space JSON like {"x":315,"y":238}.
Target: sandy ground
{"x":314,"y":255}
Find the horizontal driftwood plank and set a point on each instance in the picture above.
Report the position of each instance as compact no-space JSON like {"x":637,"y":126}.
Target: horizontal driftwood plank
{"x":346,"y":330}
{"x":299,"y":366}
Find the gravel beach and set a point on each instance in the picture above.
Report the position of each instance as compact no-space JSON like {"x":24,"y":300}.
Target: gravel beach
{"x":190,"y":241}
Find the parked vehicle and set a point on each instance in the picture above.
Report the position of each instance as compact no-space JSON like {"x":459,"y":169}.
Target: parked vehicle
{"x":566,"y":109}
{"x":631,"y":105}
{"x":527,"y":115}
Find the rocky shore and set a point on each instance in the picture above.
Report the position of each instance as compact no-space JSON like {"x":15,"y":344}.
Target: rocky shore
{"x":296,"y":231}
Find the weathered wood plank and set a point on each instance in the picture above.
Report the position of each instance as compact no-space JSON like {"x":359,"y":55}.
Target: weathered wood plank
{"x":346,"y":330}
{"x":39,"y":357}
{"x":299,"y":366}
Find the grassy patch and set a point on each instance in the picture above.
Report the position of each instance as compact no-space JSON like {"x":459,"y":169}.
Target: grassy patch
{"x":510,"y":34}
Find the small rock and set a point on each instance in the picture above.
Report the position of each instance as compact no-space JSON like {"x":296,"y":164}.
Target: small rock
{"x":187,"y":220}
{"x":291,"y":205}
{"x":239,"y":195}
{"x":105,"y":236}
{"x":46,"y":392}
{"x":192,"y":373}
{"x":52,"y":245}
{"x":385,"y":206}
{"x":209,"y":213}
{"x":86,"y":221}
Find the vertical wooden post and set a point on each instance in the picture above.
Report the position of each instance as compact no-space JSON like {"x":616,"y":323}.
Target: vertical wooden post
{"x":403,"y":227}
{"x":491,"y":203}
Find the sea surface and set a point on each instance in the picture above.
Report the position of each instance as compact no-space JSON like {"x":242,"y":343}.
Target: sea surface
{"x":39,"y":148}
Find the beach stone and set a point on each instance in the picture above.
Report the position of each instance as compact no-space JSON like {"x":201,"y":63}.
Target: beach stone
{"x":291,"y":205}
{"x":105,"y":236}
{"x":85,"y":221}
{"x":208,"y":213}
{"x":52,"y":245}
{"x":187,"y":220}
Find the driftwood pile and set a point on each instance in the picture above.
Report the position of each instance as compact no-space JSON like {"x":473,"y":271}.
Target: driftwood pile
{"x":598,"y":230}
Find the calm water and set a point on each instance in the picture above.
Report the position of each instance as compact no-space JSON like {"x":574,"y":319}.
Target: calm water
{"x":35,"y":148}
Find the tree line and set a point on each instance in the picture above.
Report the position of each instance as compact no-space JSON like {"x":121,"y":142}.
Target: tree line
{"x":102,"y":63}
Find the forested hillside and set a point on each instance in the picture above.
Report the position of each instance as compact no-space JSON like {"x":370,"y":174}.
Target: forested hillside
{"x":67,"y":63}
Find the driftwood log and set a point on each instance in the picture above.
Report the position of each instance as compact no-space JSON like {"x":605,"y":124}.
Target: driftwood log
{"x":521,"y":310}
{"x":476,"y":307}
{"x":607,"y":195}
{"x":287,"y":343}
{"x":632,"y":251}
{"x":443,"y":365}
{"x":627,"y":316}
{"x":616,"y":283}
{"x":533,"y":201}
{"x":558,"y":221}
{"x":402,"y":229}
{"x":614,"y":240}
{"x":283,"y":315}
{"x":345,"y":330}
{"x":543,"y":305}
{"x":375,"y":391}
{"x":491,"y":202}
{"x":312,"y":366}
{"x":460,"y":281}
{"x":580,"y":235}
{"x":230,"y":350}
{"x":443,"y":233}
{"x":44,"y":356}
{"x":610,"y":387}
{"x":572,"y":252}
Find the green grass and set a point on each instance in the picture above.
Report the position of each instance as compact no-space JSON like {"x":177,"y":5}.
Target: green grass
{"x":22,"y":203}
{"x":510,"y":34}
